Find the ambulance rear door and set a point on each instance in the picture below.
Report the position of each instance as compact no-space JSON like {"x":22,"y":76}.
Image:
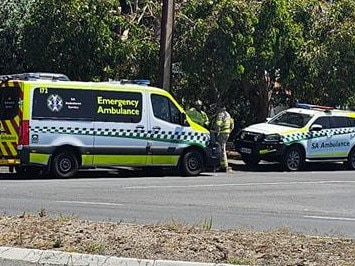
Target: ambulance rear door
{"x":10,"y":121}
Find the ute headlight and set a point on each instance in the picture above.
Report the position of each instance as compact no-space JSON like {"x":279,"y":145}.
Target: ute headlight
{"x":258,"y":138}
{"x":242,"y":135}
{"x":272,"y":137}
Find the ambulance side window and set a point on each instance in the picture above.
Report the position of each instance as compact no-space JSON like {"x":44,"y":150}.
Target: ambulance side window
{"x":324,"y":121}
{"x":9,"y":103}
{"x":339,"y":122}
{"x":164,"y":109}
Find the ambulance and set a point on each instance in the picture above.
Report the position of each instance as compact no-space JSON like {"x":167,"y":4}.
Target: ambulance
{"x":304,"y":133}
{"x":59,"y":126}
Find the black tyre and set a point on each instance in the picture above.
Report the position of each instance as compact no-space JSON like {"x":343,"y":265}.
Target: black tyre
{"x":64,"y":165}
{"x":351,"y":159}
{"x":192,"y":163}
{"x":294,"y":159}
{"x":250,"y":161}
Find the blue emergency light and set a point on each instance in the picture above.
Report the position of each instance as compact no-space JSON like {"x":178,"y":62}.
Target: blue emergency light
{"x":312,"y":106}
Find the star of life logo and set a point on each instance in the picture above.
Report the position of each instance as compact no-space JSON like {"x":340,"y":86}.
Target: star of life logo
{"x":55,"y":103}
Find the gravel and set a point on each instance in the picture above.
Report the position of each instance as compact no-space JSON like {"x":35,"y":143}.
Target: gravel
{"x":174,"y":241}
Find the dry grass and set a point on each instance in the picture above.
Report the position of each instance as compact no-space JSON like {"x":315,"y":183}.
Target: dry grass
{"x":174,"y":241}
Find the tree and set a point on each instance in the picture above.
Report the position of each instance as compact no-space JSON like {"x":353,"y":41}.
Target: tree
{"x":90,"y":40}
{"x":12,"y":15}
{"x":213,"y":41}
{"x":232,"y":51}
{"x":324,"y":64}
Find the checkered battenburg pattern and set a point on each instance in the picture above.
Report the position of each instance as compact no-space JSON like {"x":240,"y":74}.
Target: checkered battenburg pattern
{"x":168,"y":136}
{"x":312,"y":135}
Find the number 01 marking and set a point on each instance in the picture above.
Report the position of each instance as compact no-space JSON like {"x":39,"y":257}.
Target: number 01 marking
{"x":43,"y":90}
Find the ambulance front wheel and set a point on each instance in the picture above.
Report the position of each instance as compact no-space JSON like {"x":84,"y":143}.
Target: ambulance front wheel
{"x":192,"y":163}
{"x":64,"y":164}
{"x":294,"y":159}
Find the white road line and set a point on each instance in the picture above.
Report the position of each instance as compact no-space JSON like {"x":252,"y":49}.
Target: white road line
{"x":90,"y":203}
{"x":246,"y":184}
{"x":330,"y":218}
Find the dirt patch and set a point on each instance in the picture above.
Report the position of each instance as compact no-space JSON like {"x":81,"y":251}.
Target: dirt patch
{"x":174,"y":241}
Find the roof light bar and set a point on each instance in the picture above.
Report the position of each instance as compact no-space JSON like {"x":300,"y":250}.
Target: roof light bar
{"x":143,"y":82}
{"x":313,"y":106}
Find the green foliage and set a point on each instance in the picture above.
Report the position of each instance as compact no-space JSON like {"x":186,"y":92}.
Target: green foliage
{"x":12,"y":15}
{"x":69,"y":36}
{"x":207,"y":224}
{"x":58,"y":242}
{"x":229,"y":52}
{"x":213,"y":47}
{"x":324,"y":64}
{"x":87,"y":40}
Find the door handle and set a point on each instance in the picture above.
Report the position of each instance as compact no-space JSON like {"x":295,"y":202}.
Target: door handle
{"x":140,"y":127}
{"x":156,"y":128}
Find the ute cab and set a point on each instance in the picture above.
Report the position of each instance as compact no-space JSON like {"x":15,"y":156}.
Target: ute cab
{"x":306,"y":133}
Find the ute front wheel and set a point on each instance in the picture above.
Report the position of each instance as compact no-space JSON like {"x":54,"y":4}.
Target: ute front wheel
{"x":351,"y":159}
{"x":294,"y":159}
{"x":64,"y":165}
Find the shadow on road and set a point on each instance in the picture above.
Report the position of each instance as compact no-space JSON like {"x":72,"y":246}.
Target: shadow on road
{"x":102,"y":173}
{"x":236,"y":165}
{"x":276,"y":167}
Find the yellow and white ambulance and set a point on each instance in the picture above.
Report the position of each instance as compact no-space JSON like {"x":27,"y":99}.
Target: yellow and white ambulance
{"x":62,"y":126}
{"x":305,"y":133}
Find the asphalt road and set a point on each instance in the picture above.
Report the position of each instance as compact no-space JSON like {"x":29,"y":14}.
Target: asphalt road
{"x":317,"y":201}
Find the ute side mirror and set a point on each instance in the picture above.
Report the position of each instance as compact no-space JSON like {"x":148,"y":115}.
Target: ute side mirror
{"x":316,"y":127}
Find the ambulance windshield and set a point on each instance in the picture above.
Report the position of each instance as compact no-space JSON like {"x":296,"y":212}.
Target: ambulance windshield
{"x":291,"y":119}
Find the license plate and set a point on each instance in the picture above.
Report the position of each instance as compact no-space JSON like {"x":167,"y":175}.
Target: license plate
{"x":245,"y":150}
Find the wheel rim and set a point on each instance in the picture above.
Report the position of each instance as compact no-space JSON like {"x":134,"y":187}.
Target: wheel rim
{"x":65,"y":165}
{"x":193,"y":163}
{"x":294,"y":160}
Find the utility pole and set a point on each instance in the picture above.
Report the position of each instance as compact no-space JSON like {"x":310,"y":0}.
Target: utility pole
{"x":166,"y":36}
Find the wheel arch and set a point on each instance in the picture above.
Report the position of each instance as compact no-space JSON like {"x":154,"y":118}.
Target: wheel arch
{"x":299,"y":146}
{"x":351,"y":150}
{"x":192,"y":148}
{"x":68,"y":148}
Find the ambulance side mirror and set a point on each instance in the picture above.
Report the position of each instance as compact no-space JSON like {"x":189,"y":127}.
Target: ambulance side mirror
{"x":183,"y":120}
{"x":316,"y":127}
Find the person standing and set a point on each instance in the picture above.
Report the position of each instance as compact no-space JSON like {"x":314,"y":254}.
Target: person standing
{"x":198,"y":115}
{"x":224,"y":125}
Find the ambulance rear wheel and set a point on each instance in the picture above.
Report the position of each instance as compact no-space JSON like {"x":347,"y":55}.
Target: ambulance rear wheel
{"x":351,"y":159}
{"x":192,"y":163}
{"x":65,"y":165}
